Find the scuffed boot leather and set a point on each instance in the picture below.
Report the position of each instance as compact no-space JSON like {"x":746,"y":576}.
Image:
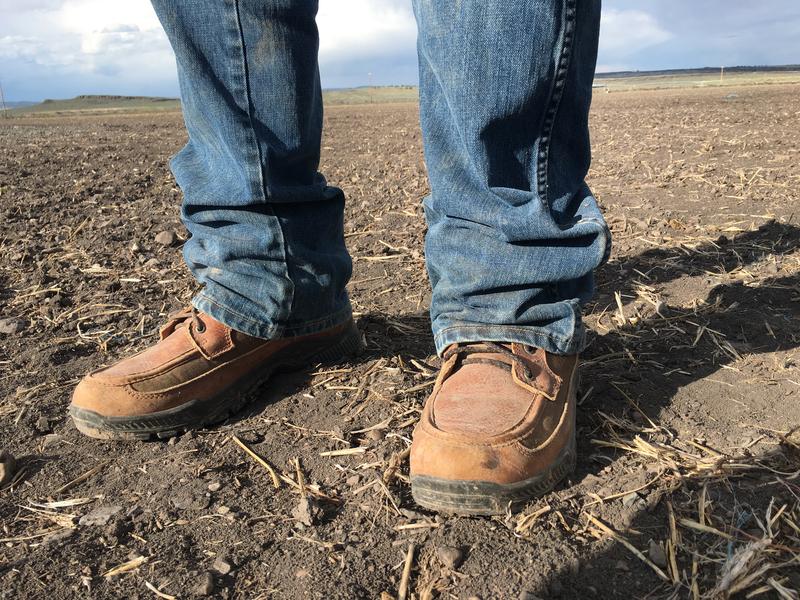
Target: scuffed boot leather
{"x":199,"y":373}
{"x":497,"y":430}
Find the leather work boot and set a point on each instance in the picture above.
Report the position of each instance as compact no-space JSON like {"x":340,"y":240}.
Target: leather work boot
{"x":199,"y":373}
{"x":497,"y":430}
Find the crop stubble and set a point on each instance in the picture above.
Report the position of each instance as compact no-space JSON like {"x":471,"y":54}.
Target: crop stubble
{"x":687,"y":482}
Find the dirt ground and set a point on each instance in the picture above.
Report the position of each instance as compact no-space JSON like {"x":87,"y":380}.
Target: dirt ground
{"x":688,"y":480}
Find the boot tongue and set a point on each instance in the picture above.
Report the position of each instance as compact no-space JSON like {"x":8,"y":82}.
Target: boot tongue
{"x":480,"y":396}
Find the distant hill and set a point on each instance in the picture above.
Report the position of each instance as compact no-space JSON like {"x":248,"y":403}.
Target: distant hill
{"x":10,"y":105}
{"x":699,"y":71}
{"x":613,"y":81}
{"x":99,"y":104}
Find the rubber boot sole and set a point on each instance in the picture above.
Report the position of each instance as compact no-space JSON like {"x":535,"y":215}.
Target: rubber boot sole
{"x":197,"y":414}
{"x":487,"y":498}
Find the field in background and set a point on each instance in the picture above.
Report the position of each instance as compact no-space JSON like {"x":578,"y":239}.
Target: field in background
{"x":406,"y":93}
{"x":695,"y":80}
{"x":688,"y":473}
{"x":97,"y":104}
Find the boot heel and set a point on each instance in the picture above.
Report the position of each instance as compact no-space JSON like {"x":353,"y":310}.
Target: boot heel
{"x":347,"y":346}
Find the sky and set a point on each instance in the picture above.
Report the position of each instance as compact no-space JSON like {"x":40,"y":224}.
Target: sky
{"x":63,"y":48}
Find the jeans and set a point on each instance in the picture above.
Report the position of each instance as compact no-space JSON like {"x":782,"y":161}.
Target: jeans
{"x":514,"y":233}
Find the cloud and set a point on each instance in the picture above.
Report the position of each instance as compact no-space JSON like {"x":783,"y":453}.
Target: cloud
{"x":67,"y":47}
{"x":60,"y":48}
{"x":367,"y":41}
{"x":365,"y":28}
{"x":624,"y":34}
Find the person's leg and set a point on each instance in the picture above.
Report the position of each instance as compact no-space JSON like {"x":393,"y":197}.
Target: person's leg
{"x":267,"y":237}
{"x":514,"y":236}
{"x":267,"y":240}
{"x":514,"y":233}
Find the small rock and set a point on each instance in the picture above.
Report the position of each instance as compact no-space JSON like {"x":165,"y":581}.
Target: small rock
{"x":629,"y":499}
{"x":353,"y":480}
{"x":151,"y":263}
{"x":223,"y":510}
{"x":214,"y":486}
{"x":621,"y":565}
{"x":135,"y":247}
{"x":411,"y":515}
{"x":450,"y":556}
{"x":657,"y":554}
{"x":375,"y":435}
{"x":634,"y":501}
{"x":12,"y":325}
{"x":51,"y":439}
{"x":205,"y":585}
{"x":221,"y":566}
{"x":306,"y":512}
{"x":166,"y":238}
{"x":99,"y":516}
{"x":42,"y":425}
{"x":8,"y":467}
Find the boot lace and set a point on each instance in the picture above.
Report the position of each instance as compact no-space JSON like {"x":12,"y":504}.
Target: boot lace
{"x":190,"y":314}
{"x":465,"y":350}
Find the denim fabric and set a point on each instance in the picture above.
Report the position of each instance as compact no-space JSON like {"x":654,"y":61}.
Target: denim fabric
{"x":514,"y":232}
{"x":267,"y":239}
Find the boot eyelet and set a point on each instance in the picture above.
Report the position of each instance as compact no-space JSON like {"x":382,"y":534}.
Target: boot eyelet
{"x":200,"y":327}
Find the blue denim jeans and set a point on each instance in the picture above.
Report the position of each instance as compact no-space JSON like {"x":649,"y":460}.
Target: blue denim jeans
{"x":514,"y":233}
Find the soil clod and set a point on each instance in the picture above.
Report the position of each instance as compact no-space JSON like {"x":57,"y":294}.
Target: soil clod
{"x":204,"y":586}
{"x":12,"y":325}
{"x":100,"y":516}
{"x":450,"y":556}
{"x":221,"y":565}
{"x":307,"y":511}
{"x":166,"y":238}
{"x":656,"y":553}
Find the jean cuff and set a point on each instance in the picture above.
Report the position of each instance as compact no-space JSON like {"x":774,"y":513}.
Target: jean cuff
{"x":539,"y":337}
{"x":264,"y":329}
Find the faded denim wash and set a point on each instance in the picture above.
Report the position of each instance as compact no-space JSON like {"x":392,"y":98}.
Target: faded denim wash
{"x":514,"y":232}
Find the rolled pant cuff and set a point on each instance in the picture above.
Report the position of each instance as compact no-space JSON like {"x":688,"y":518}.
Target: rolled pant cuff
{"x":264,"y":329}
{"x":532,"y":336}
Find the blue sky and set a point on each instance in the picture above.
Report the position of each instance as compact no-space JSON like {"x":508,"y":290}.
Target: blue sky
{"x":62,"y":48}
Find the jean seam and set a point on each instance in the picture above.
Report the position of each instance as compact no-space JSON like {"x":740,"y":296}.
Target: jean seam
{"x":562,"y":68}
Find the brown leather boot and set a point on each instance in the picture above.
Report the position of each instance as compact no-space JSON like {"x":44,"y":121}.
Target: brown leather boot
{"x":199,"y":373}
{"x":497,"y":430}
